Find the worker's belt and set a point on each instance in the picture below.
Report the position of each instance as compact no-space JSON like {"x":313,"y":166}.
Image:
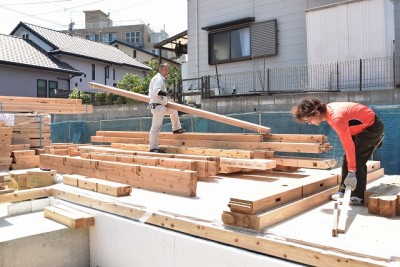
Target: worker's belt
{"x":154,"y":105}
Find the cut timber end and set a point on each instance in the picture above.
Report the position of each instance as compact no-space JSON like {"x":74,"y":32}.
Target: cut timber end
{"x":189,"y":110}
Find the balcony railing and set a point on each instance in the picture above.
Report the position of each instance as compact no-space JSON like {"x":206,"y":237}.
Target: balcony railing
{"x":350,"y":75}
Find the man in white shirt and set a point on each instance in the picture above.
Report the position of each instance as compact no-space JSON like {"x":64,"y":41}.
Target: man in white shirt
{"x":158,"y":99}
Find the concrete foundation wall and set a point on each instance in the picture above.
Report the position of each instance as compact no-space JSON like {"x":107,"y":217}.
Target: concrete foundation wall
{"x":115,"y":241}
{"x":31,"y":240}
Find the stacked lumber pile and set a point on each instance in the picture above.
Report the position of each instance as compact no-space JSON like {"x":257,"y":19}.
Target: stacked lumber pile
{"x":384,"y":199}
{"x":5,"y":182}
{"x":288,"y":198}
{"x":239,"y":146}
{"x":5,"y":149}
{"x":32,"y":178}
{"x":167,"y":180}
{"x":32,"y":129}
{"x":128,"y":161}
{"x":14,"y":104}
{"x":24,"y":159}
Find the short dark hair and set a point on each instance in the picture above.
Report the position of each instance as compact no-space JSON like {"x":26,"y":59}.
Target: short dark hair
{"x":163,"y":65}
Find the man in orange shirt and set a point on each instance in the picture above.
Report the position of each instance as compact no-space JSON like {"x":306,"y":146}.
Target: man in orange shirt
{"x":360,"y":132}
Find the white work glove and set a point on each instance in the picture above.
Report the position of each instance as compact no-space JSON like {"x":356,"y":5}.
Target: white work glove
{"x":351,"y":181}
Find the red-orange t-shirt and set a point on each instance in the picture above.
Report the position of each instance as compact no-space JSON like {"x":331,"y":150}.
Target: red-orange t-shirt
{"x":347,"y":119}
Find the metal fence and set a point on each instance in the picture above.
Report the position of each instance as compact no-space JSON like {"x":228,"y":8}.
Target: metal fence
{"x":350,"y":75}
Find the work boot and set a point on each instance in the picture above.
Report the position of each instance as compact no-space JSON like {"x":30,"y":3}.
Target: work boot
{"x":157,"y":150}
{"x":179,"y":131}
{"x":336,"y":196}
{"x":356,"y":201}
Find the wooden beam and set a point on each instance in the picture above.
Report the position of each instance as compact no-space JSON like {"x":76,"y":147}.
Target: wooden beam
{"x":254,"y":164}
{"x":68,"y":216}
{"x":166,"y":180}
{"x":304,"y":162}
{"x":265,"y":219}
{"x":234,"y":137}
{"x":344,"y":210}
{"x":27,"y":194}
{"x":186,"y":109}
{"x":272,"y":146}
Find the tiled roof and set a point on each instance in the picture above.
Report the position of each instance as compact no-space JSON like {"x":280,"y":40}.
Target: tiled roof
{"x":17,"y":51}
{"x":73,"y":45}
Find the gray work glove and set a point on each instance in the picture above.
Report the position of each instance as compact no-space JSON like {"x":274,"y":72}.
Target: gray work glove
{"x":351,"y":181}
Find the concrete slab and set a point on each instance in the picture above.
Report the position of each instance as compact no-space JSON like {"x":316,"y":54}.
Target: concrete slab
{"x":32,"y":240}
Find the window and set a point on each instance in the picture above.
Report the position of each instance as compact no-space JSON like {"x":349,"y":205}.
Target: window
{"x":230,"y":45}
{"x":107,"y":72}
{"x":155,"y":51}
{"x":93,"y":72}
{"x":92,"y":37}
{"x":132,"y":37}
{"x":114,"y":74}
{"x":109,"y":37}
{"x":41,"y":88}
{"x":134,"y":53}
{"x":241,"y":39}
{"x":53,"y":86}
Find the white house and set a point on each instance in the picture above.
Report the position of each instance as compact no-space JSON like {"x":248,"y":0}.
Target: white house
{"x":260,"y":36}
{"x":36,"y":61}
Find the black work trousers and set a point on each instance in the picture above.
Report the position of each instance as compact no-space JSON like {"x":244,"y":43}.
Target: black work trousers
{"x":365,"y":143}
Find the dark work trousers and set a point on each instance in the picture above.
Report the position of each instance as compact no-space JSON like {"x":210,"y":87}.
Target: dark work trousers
{"x":365,"y":143}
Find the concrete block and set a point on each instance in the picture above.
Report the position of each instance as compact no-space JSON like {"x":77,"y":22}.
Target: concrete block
{"x":382,"y":97}
{"x":40,"y":204}
{"x":363,"y":97}
{"x":338,"y":97}
{"x":32,"y":240}
{"x":19,"y":208}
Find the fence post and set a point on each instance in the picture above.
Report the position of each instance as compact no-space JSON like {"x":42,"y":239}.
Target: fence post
{"x":360,"y":74}
{"x":394,"y":71}
{"x":268,"y":81}
{"x":337,"y":76}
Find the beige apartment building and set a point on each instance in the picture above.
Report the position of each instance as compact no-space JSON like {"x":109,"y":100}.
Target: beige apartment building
{"x":100,"y":28}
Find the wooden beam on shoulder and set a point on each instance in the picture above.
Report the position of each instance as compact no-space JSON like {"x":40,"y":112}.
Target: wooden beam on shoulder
{"x":186,"y":109}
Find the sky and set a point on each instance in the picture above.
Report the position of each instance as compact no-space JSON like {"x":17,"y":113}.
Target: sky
{"x":57,"y":14}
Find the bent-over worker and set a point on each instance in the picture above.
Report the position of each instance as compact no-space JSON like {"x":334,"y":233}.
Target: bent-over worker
{"x":360,"y":131}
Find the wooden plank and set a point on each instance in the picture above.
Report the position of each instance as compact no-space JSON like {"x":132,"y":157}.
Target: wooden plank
{"x":22,"y":153}
{"x":271,"y":146}
{"x":335,"y":219}
{"x":234,"y":137}
{"x":344,"y":210}
{"x":296,"y":138}
{"x":278,"y":195}
{"x":27,"y":194}
{"x":234,"y":153}
{"x":186,"y":109}
{"x":70,"y":217}
{"x":304,"y":162}
{"x":279,"y":214}
{"x":166,"y":180}
{"x":256,"y":164}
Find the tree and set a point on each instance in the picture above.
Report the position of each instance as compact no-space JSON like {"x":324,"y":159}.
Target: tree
{"x":76,"y":94}
{"x":131,"y":82}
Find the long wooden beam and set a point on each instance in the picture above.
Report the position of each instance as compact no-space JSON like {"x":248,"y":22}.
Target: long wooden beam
{"x":186,"y":109}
